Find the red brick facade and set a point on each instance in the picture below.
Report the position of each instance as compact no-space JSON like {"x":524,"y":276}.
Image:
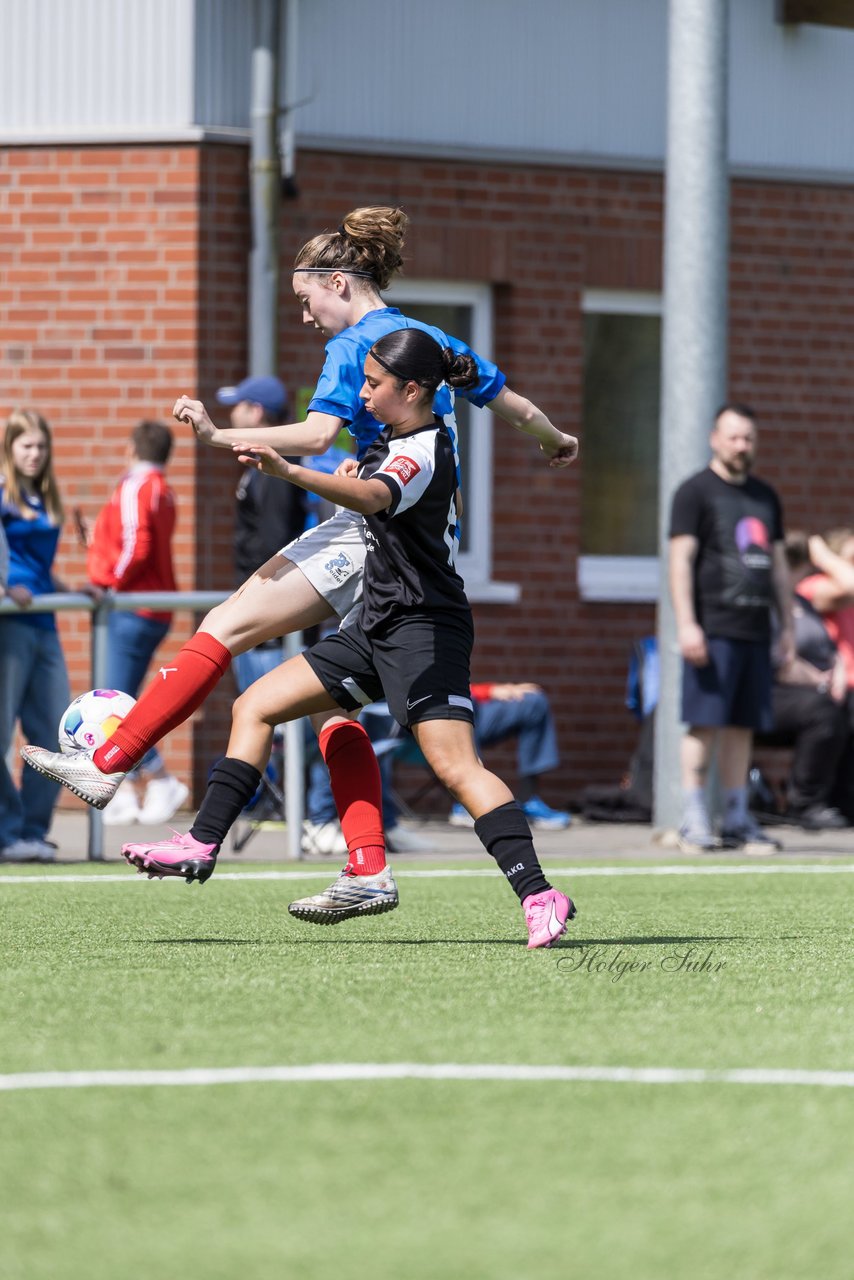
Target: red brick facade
{"x":123,"y":283}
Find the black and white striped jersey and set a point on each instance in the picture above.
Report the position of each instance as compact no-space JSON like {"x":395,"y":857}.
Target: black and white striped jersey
{"x":412,"y":544}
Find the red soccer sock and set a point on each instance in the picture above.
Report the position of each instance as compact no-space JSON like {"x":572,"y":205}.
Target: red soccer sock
{"x":357,"y":790}
{"x":173,"y":695}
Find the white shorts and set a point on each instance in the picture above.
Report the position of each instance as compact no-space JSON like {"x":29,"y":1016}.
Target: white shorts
{"x":332,"y":557}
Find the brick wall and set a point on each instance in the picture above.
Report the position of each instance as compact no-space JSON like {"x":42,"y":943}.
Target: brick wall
{"x":99,"y":327}
{"x":124,"y":282}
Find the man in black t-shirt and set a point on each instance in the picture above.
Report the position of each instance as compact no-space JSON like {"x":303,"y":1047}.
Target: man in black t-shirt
{"x":727,"y":572}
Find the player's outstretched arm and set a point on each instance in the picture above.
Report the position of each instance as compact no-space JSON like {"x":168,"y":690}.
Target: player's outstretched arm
{"x":366,"y":497}
{"x":315,"y":435}
{"x":560,"y":448}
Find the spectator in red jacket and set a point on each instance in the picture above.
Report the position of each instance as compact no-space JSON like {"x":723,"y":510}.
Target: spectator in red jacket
{"x":130,"y":549}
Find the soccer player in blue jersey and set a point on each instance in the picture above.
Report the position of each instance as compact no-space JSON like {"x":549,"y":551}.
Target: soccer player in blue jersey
{"x":338,"y":277}
{"x":409,"y":643}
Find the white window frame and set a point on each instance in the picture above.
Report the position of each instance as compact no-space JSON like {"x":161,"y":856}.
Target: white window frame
{"x":618,"y":579}
{"x":474,"y":565}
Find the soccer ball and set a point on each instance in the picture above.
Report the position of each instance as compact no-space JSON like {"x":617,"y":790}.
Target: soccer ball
{"x":92,"y":719}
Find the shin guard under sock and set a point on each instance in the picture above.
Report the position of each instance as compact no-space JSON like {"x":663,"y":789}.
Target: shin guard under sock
{"x":232,"y":785}
{"x":505,"y":834}
{"x":357,"y":790}
{"x":169,"y":699}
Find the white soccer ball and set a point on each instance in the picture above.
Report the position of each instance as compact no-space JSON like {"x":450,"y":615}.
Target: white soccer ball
{"x":92,"y":719}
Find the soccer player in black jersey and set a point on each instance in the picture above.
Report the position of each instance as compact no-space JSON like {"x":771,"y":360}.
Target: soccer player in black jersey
{"x":410,"y":644}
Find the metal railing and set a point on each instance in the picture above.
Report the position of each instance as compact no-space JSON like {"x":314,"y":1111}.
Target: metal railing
{"x":170,"y":602}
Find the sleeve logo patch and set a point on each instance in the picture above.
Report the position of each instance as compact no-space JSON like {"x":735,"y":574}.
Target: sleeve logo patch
{"x":404,"y":468}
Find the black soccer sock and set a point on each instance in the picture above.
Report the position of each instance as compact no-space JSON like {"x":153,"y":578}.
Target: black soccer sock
{"x":232,"y":785}
{"x":505,"y":834}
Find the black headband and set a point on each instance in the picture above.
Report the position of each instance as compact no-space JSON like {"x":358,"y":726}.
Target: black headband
{"x":403,"y":377}
{"x":345,"y":271}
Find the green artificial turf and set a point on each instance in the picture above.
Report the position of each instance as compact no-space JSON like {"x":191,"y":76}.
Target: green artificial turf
{"x":420,"y":1178}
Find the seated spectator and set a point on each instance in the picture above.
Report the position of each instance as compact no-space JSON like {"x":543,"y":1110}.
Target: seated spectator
{"x":831,"y":592}
{"x":518,"y":711}
{"x":808,"y":704}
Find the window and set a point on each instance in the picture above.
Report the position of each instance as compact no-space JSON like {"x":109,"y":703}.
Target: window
{"x":620,"y":428}
{"x":465,"y":310}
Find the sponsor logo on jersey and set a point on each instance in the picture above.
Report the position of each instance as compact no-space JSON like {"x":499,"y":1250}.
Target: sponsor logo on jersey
{"x":340,"y":567}
{"x":404,"y":468}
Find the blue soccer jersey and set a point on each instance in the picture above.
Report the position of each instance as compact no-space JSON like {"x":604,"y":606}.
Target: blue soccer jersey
{"x":343,"y":375}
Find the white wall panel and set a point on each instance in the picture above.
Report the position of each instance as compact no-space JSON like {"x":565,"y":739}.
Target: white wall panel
{"x":70,"y":67}
{"x":791,"y":92}
{"x":563,"y":76}
{"x":548,"y":79}
{"x":573,"y":78}
{"x":223,"y":42}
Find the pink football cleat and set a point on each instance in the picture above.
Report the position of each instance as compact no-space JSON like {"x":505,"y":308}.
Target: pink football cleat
{"x":182,"y":856}
{"x":546,"y":915}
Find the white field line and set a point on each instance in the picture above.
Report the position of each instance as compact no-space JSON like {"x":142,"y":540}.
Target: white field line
{"x":324,"y":1072}
{"x":737,"y":869}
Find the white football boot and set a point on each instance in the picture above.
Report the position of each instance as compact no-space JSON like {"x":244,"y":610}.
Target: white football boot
{"x":78,"y":772}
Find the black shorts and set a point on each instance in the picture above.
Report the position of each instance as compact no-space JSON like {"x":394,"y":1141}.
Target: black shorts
{"x":419,"y":664}
{"x":734,"y":689}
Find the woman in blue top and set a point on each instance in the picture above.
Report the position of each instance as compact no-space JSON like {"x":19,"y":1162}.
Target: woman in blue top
{"x":33,"y":678}
{"x":338,"y":277}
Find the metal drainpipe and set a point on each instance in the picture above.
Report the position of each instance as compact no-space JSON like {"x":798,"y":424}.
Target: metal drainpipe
{"x":266,"y":191}
{"x":265,"y":173}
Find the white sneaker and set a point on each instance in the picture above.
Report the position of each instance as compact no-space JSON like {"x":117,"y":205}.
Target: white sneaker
{"x":78,"y":772}
{"x":123,"y":809}
{"x":163,"y":798}
{"x":29,"y":851}
{"x":325,"y":838}
{"x":349,"y":896}
{"x":401,"y":840}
